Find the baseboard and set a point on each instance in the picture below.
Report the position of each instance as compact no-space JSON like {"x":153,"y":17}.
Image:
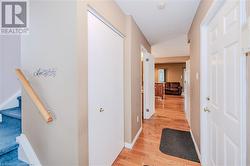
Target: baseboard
{"x":26,"y":152}
{"x":130,"y":145}
{"x":195,"y":145}
{"x":11,"y":102}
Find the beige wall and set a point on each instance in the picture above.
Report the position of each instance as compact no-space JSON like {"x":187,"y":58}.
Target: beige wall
{"x":9,"y":60}
{"x":51,"y":44}
{"x":62,"y":44}
{"x":137,"y":40}
{"x":177,"y":59}
{"x":134,"y":41}
{"x":248,"y":8}
{"x":194,"y":36}
{"x":173,"y":46}
{"x":174,"y":72}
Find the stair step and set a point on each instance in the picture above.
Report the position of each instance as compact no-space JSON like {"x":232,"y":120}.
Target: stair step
{"x":12,"y":112}
{"x":10,"y":128}
{"x":6,"y":149}
{"x":11,"y":159}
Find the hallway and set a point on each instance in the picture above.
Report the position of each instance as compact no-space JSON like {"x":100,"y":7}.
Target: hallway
{"x":169,"y":114}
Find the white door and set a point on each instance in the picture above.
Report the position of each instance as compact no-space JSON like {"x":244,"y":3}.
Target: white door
{"x":105,"y":93}
{"x":224,"y":110}
{"x":187,"y":90}
{"x":149,"y":85}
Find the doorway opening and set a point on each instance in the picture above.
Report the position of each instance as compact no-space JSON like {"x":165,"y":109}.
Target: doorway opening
{"x":173,"y":80}
{"x":170,"y":77}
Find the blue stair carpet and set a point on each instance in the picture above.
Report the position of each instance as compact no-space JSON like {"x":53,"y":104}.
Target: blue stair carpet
{"x":12,"y":112}
{"x":10,"y":128}
{"x":11,"y":159}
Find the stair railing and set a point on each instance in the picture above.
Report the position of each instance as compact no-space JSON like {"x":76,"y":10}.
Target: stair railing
{"x":34,"y":97}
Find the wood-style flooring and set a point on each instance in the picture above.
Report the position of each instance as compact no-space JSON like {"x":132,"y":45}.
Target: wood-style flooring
{"x":169,"y":114}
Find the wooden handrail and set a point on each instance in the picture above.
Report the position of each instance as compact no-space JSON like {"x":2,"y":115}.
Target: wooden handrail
{"x":34,"y":97}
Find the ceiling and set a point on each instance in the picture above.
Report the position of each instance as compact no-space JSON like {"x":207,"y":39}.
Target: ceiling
{"x":173,"y":47}
{"x":159,"y":25}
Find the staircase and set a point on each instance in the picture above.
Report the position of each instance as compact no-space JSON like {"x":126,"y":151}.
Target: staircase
{"x":10,"y":128}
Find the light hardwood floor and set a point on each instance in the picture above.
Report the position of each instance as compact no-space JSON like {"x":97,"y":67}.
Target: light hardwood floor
{"x":169,"y":114}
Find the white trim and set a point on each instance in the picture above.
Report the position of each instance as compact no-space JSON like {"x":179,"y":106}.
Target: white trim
{"x":244,"y":23}
{"x":11,"y":102}
{"x":105,"y":21}
{"x":246,"y":36}
{"x":195,"y":145}
{"x":143,"y":49}
{"x":187,"y":92}
{"x":26,"y":152}
{"x":243,"y":12}
{"x":130,"y":145}
{"x":203,"y":81}
{"x":244,"y":109}
{"x":150,"y":106}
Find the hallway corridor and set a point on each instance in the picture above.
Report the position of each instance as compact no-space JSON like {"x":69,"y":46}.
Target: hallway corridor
{"x":169,"y":114}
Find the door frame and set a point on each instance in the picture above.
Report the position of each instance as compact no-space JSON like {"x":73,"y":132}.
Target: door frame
{"x":187,"y":95}
{"x":215,"y":7}
{"x":144,"y":51}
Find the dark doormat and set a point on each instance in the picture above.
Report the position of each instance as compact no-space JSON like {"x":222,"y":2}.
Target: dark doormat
{"x":179,"y":144}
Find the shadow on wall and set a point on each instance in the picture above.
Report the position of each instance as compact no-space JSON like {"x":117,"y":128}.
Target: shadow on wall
{"x":9,"y":60}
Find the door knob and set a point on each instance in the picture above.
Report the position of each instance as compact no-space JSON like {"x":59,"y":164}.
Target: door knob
{"x":208,"y":98}
{"x":101,"y":110}
{"x":206,"y":109}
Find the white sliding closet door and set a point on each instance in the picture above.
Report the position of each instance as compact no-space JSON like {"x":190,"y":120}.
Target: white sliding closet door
{"x":105,"y":89}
